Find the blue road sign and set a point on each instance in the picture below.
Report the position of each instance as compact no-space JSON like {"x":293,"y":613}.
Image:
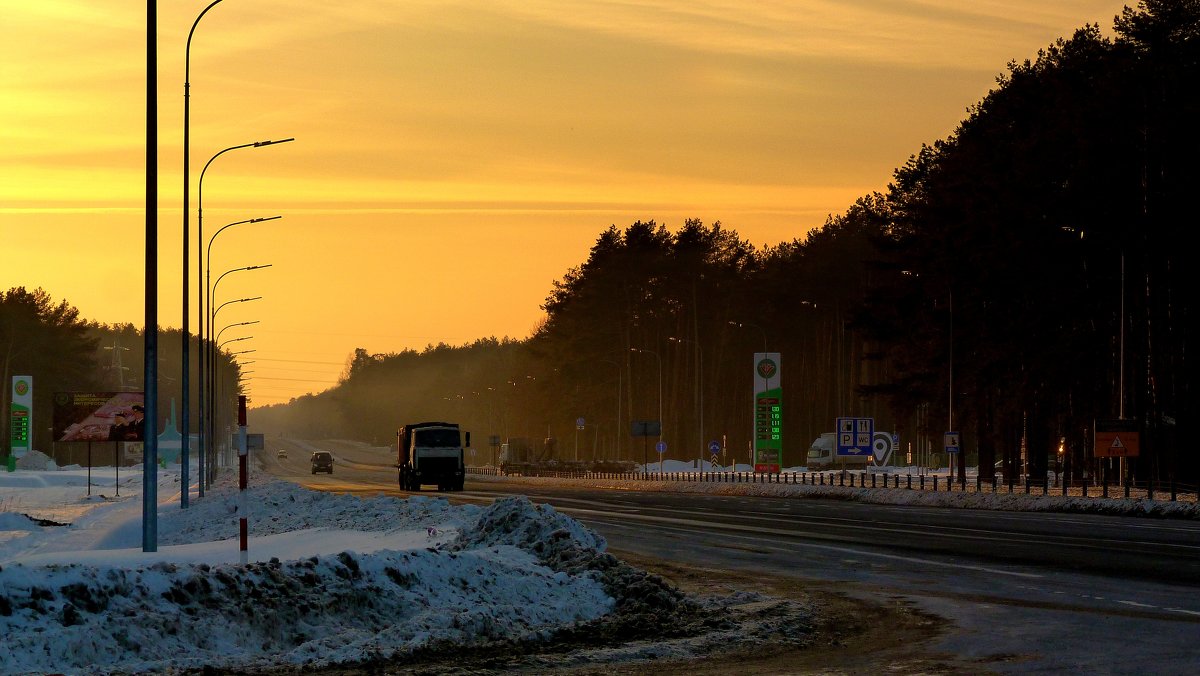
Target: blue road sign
{"x":952,"y":442}
{"x":855,"y":436}
{"x":661,"y":447}
{"x":714,"y":446}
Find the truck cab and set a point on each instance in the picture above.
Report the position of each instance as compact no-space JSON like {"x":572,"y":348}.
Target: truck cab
{"x":431,"y":453}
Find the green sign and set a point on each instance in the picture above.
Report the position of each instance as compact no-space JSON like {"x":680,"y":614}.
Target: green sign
{"x":768,"y":413}
{"x":20,"y":414}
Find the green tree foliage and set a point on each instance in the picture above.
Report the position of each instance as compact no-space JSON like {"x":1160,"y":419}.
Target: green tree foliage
{"x":987,"y":279}
{"x":1015,"y":229}
{"x":45,"y":340}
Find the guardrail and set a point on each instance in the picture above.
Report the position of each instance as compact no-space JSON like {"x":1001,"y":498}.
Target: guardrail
{"x":915,"y":482}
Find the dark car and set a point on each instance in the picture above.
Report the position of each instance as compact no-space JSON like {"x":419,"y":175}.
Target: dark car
{"x":322,"y":461}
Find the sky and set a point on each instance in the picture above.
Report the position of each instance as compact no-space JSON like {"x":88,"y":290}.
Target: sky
{"x":470,"y":572}
{"x":453,"y":159}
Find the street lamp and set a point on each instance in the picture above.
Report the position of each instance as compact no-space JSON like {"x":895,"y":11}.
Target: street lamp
{"x":754,"y":404}
{"x":184,"y":422}
{"x":206,"y":331}
{"x":200,"y":291}
{"x":211,"y":357}
{"x":617,"y":431}
{"x":233,"y":340}
{"x":699,"y":388}
{"x":658,"y":360}
{"x":211,"y":293}
{"x":256,"y":321}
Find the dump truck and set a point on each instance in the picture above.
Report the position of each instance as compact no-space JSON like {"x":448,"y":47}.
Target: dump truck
{"x":431,"y":453}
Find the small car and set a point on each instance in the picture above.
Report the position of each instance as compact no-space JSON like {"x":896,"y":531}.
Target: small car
{"x":322,"y":461}
{"x":281,"y":454}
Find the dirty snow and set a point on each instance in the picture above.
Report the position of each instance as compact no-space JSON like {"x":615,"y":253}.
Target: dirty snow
{"x":330,"y":579}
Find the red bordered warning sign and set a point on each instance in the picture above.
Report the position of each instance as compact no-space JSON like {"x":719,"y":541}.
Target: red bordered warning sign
{"x":1116,"y":439}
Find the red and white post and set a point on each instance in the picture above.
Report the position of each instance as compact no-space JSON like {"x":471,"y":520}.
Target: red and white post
{"x":243,"y":526}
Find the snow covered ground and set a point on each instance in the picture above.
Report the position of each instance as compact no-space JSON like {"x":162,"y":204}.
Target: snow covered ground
{"x":337,"y":579}
{"x":1186,"y":507}
{"x":331,"y":578}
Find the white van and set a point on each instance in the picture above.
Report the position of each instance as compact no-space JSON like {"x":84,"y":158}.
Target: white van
{"x":822,"y":455}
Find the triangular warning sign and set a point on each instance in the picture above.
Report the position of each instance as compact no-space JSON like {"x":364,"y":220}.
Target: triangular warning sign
{"x":1117,"y":443}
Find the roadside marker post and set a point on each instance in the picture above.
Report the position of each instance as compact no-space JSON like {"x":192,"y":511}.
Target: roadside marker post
{"x":243,"y":525}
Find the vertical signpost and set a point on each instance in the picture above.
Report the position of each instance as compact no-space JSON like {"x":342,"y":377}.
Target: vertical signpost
{"x":20,"y":418}
{"x":768,"y":413}
{"x":243,"y":456}
{"x":952,"y":444}
{"x":646,"y":429}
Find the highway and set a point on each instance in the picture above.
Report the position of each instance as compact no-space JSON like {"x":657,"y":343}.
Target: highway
{"x":1008,"y":583}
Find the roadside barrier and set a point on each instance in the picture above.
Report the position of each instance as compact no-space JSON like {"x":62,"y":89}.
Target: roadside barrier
{"x":1147,"y":490}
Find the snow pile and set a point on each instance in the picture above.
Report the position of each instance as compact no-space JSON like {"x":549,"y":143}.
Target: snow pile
{"x":431,"y":578}
{"x":37,"y":461}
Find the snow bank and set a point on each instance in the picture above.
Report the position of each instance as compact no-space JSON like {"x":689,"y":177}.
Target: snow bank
{"x":893,"y":496}
{"x":462,"y":576}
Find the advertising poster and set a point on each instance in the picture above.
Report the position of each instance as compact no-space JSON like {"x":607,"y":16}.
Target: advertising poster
{"x":99,"y":416}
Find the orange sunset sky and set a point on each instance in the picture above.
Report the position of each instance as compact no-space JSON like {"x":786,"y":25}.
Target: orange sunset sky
{"x":452,"y":159}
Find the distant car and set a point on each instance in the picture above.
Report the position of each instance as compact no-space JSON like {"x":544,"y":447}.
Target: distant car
{"x":322,"y":461}
{"x":282,"y":454}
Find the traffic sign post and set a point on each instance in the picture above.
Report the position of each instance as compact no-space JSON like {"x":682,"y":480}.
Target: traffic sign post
{"x":952,"y":443}
{"x":1116,"y":439}
{"x":855,"y":437}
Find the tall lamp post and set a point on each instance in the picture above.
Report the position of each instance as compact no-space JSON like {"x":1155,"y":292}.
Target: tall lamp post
{"x":617,"y":431}
{"x":753,"y":404}
{"x":204,"y":331}
{"x":200,"y":228}
{"x":658,"y":360}
{"x":212,"y":359}
{"x":699,"y":388}
{"x":184,"y":417}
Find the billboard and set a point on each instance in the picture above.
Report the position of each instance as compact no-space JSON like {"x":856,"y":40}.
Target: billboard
{"x":99,"y":416}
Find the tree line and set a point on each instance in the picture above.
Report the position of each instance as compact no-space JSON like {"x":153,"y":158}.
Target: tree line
{"x":1017,"y":281}
{"x":63,"y":352}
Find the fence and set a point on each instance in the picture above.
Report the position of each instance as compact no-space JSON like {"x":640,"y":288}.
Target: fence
{"x":1162,"y":491}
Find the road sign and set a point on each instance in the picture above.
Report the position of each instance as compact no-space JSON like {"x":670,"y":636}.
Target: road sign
{"x":855,"y":436}
{"x":661,"y":447}
{"x":714,"y":446}
{"x":645,"y":428}
{"x":714,"y":460}
{"x":882,"y":445}
{"x":952,"y":442}
{"x":1116,"y":439}
{"x":579,"y":423}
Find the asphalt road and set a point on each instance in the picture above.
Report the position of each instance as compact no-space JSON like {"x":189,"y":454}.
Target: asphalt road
{"x":1043,"y":591}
